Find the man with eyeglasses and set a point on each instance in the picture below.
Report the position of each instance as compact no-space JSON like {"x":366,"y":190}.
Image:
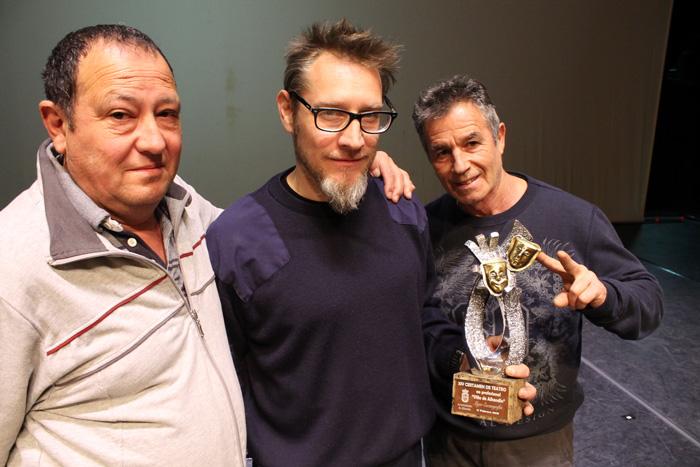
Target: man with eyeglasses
{"x":323,"y":281}
{"x":112,"y":341}
{"x":342,"y":197}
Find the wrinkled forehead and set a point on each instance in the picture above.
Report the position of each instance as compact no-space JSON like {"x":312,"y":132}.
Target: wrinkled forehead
{"x":454,"y":116}
{"x":111,"y":65}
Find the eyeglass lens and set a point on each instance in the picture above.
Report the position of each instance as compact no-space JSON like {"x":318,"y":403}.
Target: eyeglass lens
{"x":335,"y":120}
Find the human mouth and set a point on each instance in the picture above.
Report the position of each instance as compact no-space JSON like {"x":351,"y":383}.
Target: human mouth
{"x":464,"y":184}
{"x":348,"y":162}
{"x":148,"y":169}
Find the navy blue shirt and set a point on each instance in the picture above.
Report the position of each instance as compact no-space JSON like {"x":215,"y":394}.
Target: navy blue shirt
{"x":325,"y":315}
{"x":558,"y":221}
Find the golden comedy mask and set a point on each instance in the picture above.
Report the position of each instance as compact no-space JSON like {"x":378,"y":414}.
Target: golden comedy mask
{"x":495,"y":276}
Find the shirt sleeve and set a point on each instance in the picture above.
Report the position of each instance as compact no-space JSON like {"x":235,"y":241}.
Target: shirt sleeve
{"x":442,"y":337}
{"x":232,"y":308}
{"x":231,"y":304}
{"x":19,"y":350}
{"x":633,"y":307}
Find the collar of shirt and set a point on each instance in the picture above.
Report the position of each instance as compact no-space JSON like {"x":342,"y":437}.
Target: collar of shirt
{"x":88,"y":210}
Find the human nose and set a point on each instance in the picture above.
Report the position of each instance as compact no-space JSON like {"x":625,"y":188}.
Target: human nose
{"x":352,"y":136}
{"x":150,"y":138}
{"x":461,"y":163}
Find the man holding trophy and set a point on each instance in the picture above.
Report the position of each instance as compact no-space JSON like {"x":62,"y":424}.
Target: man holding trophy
{"x":535,"y":262}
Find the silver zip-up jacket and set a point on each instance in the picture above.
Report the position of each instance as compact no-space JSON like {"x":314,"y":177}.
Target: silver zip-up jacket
{"x":101,"y":359}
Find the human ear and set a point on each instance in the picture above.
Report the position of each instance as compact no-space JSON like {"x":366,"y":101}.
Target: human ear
{"x":286,"y":112}
{"x":56,"y":123}
{"x":501,"y":143}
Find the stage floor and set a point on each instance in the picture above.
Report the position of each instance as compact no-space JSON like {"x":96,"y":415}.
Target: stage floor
{"x":642,"y":404}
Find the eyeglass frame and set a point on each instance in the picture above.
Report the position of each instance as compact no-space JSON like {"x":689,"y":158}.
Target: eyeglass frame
{"x":353,"y":116}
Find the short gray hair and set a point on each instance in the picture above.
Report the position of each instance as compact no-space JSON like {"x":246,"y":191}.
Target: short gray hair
{"x":436,"y":100}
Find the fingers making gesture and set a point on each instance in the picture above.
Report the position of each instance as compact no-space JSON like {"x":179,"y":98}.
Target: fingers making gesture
{"x":582,"y":288}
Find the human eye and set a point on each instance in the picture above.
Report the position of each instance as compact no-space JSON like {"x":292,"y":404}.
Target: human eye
{"x":332,"y":115}
{"x":375,"y":121}
{"x":471,"y":141}
{"x":440,"y":154}
{"x":170,"y":114}
{"x":371,"y":117}
{"x":121,"y":120}
{"x":168,"y":117}
{"x":118,"y":115}
{"x":331,"y":119}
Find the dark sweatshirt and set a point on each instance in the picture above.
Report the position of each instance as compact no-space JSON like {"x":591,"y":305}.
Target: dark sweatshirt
{"x":558,"y":221}
{"x":325,"y":315}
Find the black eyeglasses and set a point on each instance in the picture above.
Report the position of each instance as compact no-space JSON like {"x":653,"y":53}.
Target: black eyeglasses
{"x":335,"y":120}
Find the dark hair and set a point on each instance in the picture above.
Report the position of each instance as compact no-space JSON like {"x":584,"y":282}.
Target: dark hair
{"x":436,"y":100}
{"x":61,"y":71}
{"x":345,"y":40}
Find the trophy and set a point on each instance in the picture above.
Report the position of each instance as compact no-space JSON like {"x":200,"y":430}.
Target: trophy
{"x":485,"y":392}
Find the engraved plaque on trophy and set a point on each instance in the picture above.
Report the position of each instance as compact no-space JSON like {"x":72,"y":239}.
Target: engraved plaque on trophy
{"x":485,"y":392}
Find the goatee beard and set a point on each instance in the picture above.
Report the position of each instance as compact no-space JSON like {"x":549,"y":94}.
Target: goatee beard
{"x":344,"y":197}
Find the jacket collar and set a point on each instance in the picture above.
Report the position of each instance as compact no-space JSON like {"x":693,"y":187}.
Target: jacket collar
{"x":72,"y":237}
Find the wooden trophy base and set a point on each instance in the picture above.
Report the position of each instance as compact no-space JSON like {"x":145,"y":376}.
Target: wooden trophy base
{"x":492,"y":398}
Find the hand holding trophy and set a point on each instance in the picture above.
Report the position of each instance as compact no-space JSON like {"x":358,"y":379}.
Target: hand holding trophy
{"x":485,"y":392}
